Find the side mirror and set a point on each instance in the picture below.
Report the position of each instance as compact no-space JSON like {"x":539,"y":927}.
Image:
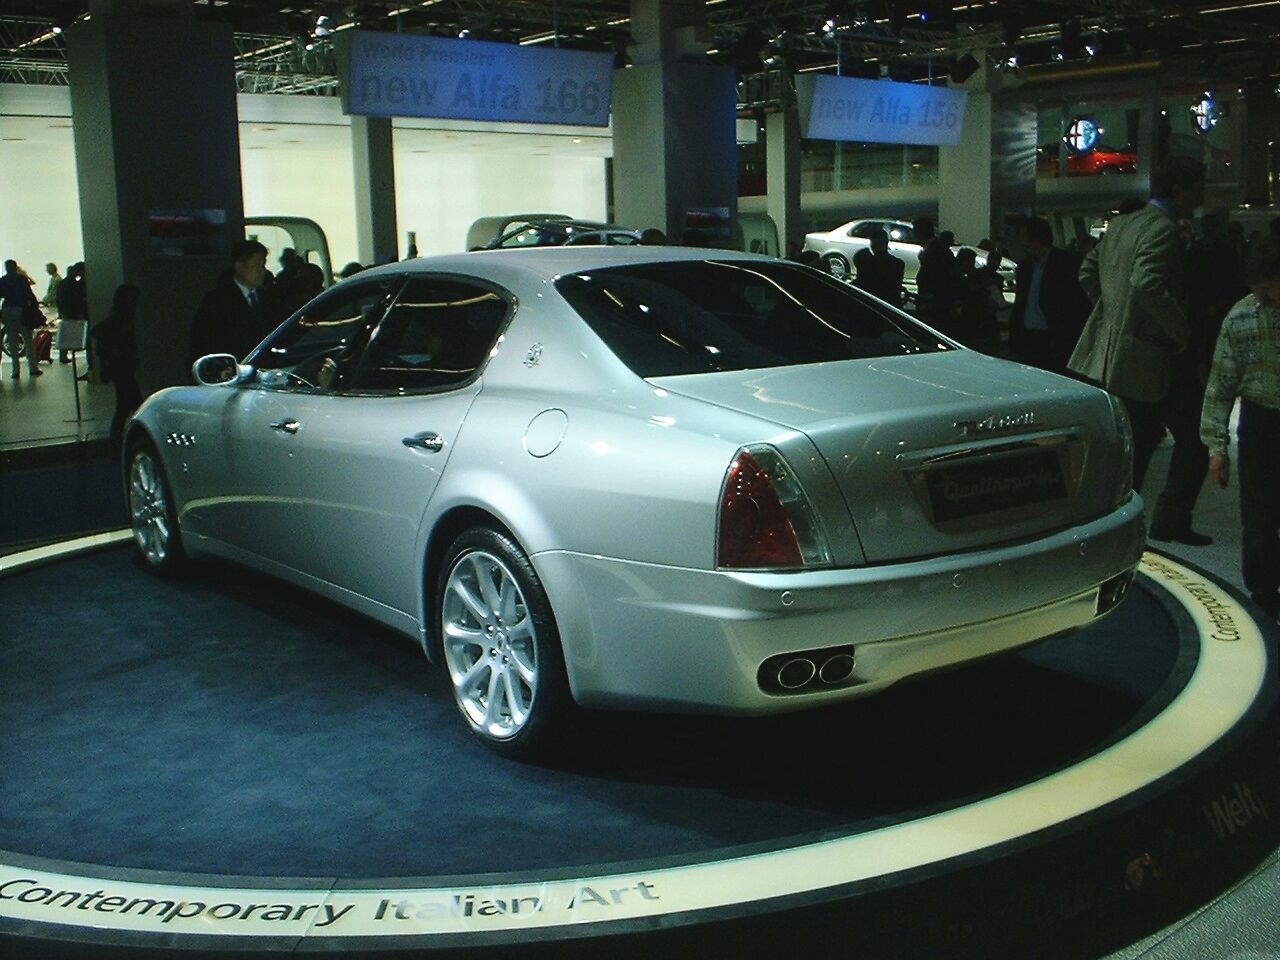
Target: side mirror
{"x":220,"y":369}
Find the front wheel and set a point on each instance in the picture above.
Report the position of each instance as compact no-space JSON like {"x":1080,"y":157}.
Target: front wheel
{"x":154,"y":516}
{"x":837,"y":265}
{"x":500,"y":645}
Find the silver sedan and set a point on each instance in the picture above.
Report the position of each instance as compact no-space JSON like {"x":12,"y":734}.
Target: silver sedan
{"x":645,"y":477}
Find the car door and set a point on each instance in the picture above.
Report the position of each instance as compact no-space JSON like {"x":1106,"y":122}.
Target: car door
{"x":264,"y":511}
{"x":379,"y":441}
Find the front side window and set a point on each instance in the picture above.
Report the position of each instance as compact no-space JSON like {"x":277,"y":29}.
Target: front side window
{"x":702,"y":316}
{"x":318,"y":347}
{"x":436,"y":336}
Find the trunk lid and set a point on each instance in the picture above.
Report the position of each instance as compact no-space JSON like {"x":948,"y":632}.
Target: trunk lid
{"x":939,"y":452}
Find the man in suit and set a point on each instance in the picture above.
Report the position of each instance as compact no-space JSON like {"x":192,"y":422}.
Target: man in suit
{"x":879,"y":271}
{"x":1138,"y":327}
{"x":935,"y":280}
{"x":239,"y":311}
{"x":1049,"y":307}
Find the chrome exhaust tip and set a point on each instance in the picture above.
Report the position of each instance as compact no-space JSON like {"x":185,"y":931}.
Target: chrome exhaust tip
{"x":795,"y":673}
{"x":836,"y":668}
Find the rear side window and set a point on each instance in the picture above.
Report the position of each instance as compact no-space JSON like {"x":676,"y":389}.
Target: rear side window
{"x":702,"y":316}
{"x":435,"y":337}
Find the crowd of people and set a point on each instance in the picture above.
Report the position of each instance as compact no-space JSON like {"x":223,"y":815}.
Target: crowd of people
{"x":1178,"y":324}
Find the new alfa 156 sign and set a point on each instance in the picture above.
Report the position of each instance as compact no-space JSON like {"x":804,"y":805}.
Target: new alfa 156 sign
{"x":879,"y":111}
{"x":403,"y":75}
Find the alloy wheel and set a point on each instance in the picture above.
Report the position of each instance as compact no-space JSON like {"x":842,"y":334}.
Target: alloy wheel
{"x":490,"y":645}
{"x":149,"y":507}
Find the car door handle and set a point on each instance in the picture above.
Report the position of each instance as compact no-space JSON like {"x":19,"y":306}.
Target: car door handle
{"x":286,"y":426}
{"x":431,"y":442}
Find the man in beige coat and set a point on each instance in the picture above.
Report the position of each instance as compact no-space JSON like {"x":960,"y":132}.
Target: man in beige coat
{"x":1133,"y":339}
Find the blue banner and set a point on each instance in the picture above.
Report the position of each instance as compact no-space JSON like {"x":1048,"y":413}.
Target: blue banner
{"x":879,"y":111}
{"x":407,"y":75}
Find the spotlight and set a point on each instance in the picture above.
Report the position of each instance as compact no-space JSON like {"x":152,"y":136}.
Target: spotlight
{"x":938,"y":13}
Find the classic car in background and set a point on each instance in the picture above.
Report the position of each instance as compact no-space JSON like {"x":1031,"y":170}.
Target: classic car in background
{"x":837,"y":248}
{"x":652,"y":478}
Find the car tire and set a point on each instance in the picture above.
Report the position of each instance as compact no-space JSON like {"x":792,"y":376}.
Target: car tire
{"x":837,"y":265}
{"x":152,"y":511}
{"x":500,"y":646}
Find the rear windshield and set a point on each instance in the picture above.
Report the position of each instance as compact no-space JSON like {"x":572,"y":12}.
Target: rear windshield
{"x":702,"y":316}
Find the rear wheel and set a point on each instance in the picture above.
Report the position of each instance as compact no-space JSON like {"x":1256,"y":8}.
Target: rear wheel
{"x":151,"y":506}
{"x":837,"y":265}
{"x":500,"y":645}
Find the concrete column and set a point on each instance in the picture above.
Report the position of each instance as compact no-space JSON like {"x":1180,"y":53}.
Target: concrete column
{"x":674,"y":123}
{"x":782,"y":169}
{"x":992,"y":171}
{"x":153,"y":100}
{"x":375,"y":180}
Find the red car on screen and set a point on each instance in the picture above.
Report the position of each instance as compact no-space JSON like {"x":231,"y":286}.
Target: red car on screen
{"x":1093,"y":163}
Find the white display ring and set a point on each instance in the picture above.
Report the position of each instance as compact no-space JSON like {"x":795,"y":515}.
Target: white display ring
{"x":1227,"y":679}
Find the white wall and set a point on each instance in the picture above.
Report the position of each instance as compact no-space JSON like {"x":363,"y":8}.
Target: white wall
{"x":303,"y":181}
{"x":39,"y":205}
{"x":439,"y":195}
{"x":41,"y":209}
{"x":296,"y":161}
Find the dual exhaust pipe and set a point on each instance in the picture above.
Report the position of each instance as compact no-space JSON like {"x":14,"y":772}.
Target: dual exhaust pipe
{"x":807,"y":671}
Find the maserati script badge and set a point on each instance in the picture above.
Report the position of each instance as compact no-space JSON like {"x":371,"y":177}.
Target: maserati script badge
{"x":994,"y":424}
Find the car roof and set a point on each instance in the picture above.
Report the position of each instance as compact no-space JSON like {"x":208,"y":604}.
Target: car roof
{"x":547,"y":263}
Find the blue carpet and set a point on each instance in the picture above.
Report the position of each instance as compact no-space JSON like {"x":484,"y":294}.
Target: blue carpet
{"x":226,"y":723}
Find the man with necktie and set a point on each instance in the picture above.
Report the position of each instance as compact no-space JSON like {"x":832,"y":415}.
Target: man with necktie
{"x":236,"y":315}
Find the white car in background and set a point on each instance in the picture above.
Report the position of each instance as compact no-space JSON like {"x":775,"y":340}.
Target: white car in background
{"x":837,"y":248}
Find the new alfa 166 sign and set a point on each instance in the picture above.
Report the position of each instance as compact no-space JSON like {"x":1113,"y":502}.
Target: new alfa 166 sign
{"x":404,"y":75}
{"x":879,"y":111}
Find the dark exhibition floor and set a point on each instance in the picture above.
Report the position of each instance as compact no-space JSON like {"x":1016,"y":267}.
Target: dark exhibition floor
{"x":189,"y":749}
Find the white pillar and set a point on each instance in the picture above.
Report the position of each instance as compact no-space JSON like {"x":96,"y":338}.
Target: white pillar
{"x":375,"y":183}
{"x":782,"y":170}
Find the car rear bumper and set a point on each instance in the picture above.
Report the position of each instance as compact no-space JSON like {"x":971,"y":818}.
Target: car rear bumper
{"x":649,"y":636}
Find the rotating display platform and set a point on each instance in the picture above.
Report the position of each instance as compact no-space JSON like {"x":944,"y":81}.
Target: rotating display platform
{"x":224,"y":763}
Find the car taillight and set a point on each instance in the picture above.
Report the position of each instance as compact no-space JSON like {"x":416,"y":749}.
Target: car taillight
{"x":766,"y":521}
{"x":1124,"y":476}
